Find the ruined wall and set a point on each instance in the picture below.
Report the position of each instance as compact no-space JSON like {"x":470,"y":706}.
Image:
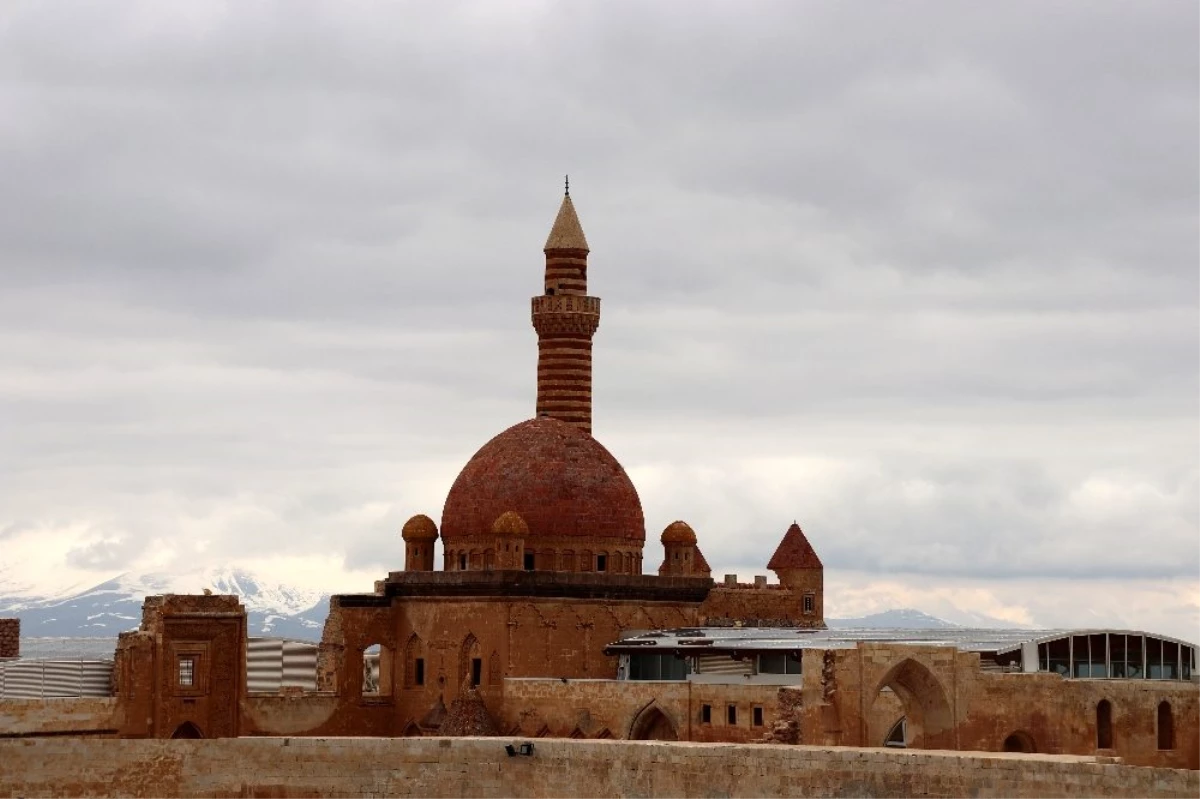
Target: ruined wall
{"x":60,"y":716}
{"x":479,"y":767}
{"x":613,"y":709}
{"x":511,"y":637}
{"x":10,"y":638}
{"x":764,"y":605}
{"x":951,"y":704}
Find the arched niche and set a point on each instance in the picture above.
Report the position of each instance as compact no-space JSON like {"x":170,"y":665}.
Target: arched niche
{"x":928,"y":720}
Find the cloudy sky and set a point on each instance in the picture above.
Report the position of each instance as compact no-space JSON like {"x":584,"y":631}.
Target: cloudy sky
{"x":921,"y":276}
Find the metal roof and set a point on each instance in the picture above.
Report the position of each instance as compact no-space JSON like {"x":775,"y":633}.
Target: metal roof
{"x":730,"y":639}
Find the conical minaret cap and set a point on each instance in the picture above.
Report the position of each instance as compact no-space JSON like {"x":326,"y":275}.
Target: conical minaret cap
{"x":567,"y":233}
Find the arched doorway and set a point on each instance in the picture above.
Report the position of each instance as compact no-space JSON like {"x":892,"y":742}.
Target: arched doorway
{"x":928,"y":722}
{"x":1019,"y":741}
{"x":1166,"y":726}
{"x":187,"y":730}
{"x":651,"y":724}
{"x":1104,"y":736}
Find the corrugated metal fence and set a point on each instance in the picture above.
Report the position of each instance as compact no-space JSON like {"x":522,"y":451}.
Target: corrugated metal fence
{"x":40,"y":679}
{"x":271,"y":664}
{"x":274,"y":663}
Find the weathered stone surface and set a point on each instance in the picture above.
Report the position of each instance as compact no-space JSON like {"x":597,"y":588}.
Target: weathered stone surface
{"x":10,"y":638}
{"x":479,"y":767}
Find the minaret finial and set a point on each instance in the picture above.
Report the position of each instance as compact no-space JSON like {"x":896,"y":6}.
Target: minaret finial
{"x":567,"y":186}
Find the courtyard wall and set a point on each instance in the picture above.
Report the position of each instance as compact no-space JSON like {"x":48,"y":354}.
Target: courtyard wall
{"x":479,"y":767}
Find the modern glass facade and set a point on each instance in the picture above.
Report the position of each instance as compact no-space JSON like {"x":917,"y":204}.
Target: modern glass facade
{"x":1117,"y":655}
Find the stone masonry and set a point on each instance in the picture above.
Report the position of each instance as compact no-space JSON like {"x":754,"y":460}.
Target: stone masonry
{"x":480,"y":767}
{"x":10,"y":638}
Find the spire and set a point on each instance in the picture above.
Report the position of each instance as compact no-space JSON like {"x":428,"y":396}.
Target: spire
{"x":565,"y":319}
{"x":567,"y":233}
{"x":794,"y":552}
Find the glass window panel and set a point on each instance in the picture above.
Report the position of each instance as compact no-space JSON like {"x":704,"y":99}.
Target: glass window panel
{"x":1043,"y":657}
{"x":1170,"y":660}
{"x":772,"y":663}
{"x":1080,"y":662}
{"x":1058,"y":656}
{"x":793,"y":664}
{"x":1154,"y":658}
{"x":1134,"y":654}
{"x":1098,"y":644}
{"x":1116,"y":653}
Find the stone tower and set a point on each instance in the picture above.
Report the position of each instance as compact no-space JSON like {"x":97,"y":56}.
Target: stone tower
{"x":796,"y":564}
{"x":565,"y":319}
{"x":419,"y":534}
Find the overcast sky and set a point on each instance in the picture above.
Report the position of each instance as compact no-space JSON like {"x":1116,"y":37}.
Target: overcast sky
{"x":921,"y":276}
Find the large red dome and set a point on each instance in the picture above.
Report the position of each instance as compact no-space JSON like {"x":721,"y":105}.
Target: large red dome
{"x":559,"y":479}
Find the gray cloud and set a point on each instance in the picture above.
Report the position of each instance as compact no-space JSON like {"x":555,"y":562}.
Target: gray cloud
{"x":922,"y":276}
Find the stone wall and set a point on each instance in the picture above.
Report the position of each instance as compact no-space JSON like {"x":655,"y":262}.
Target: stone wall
{"x":479,"y":767}
{"x":10,"y":638}
{"x":612,"y":709}
{"x":59,"y":716}
{"x":950,"y":703}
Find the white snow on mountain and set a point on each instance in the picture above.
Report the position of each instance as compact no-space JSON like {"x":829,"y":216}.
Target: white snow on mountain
{"x":114,"y":605}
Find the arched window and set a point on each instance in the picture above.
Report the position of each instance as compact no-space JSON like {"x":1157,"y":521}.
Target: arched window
{"x":1166,"y":726}
{"x":377,"y":670}
{"x":1104,"y":739}
{"x":470,"y":661}
{"x":414,"y":662}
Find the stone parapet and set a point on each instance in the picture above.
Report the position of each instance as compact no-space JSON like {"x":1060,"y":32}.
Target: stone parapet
{"x":480,"y":767}
{"x":514,"y":583}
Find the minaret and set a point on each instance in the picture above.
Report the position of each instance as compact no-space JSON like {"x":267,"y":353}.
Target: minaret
{"x":565,"y":319}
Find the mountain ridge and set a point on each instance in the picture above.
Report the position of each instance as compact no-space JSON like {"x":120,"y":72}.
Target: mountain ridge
{"x":278,"y":610}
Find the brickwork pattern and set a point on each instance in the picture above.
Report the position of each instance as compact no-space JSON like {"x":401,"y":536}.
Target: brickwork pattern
{"x":10,"y":638}
{"x":562,"y":482}
{"x":479,"y":767}
{"x":565,"y":319}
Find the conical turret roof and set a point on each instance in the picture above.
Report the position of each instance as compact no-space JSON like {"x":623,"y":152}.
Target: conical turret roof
{"x":794,"y":552}
{"x":567,"y":233}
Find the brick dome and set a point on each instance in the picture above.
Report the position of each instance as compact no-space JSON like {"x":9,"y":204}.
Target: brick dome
{"x":562,"y":482}
{"x":419,"y":528}
{"x":678,"y":533}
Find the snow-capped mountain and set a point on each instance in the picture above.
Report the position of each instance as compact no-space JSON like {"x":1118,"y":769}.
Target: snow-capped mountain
{"x":274,"y":609}
{"x":116,"y":605}
{"x":900,"y":619}
{"x":913,"y":619}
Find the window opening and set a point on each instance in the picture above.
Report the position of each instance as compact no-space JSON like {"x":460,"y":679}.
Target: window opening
{"x":187,"y":671}
{"x":706,"y":714}
{"x":731,"y":715}
{"x":778,"y":663}
{"x":758,"y":716}
{"x":657,"y":667}
{"x":898,"y":735}
{"x":1104,"y":725}
{"x":601,"y":563}
{"x":1166,"y":726}
{"x":419,"y":669}
{"x":476,"y":671}
{"x":528,"y":561}
{"x":810,"y":603}
{"x":462,"y":562}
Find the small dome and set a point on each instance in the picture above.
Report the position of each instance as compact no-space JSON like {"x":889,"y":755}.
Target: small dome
{"x":678,"y":533}
{"x":510,"y":523}
{"x":419,"y":528}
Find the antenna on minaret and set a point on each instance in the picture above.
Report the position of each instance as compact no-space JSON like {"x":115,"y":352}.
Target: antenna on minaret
{"x":566,"y":185}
